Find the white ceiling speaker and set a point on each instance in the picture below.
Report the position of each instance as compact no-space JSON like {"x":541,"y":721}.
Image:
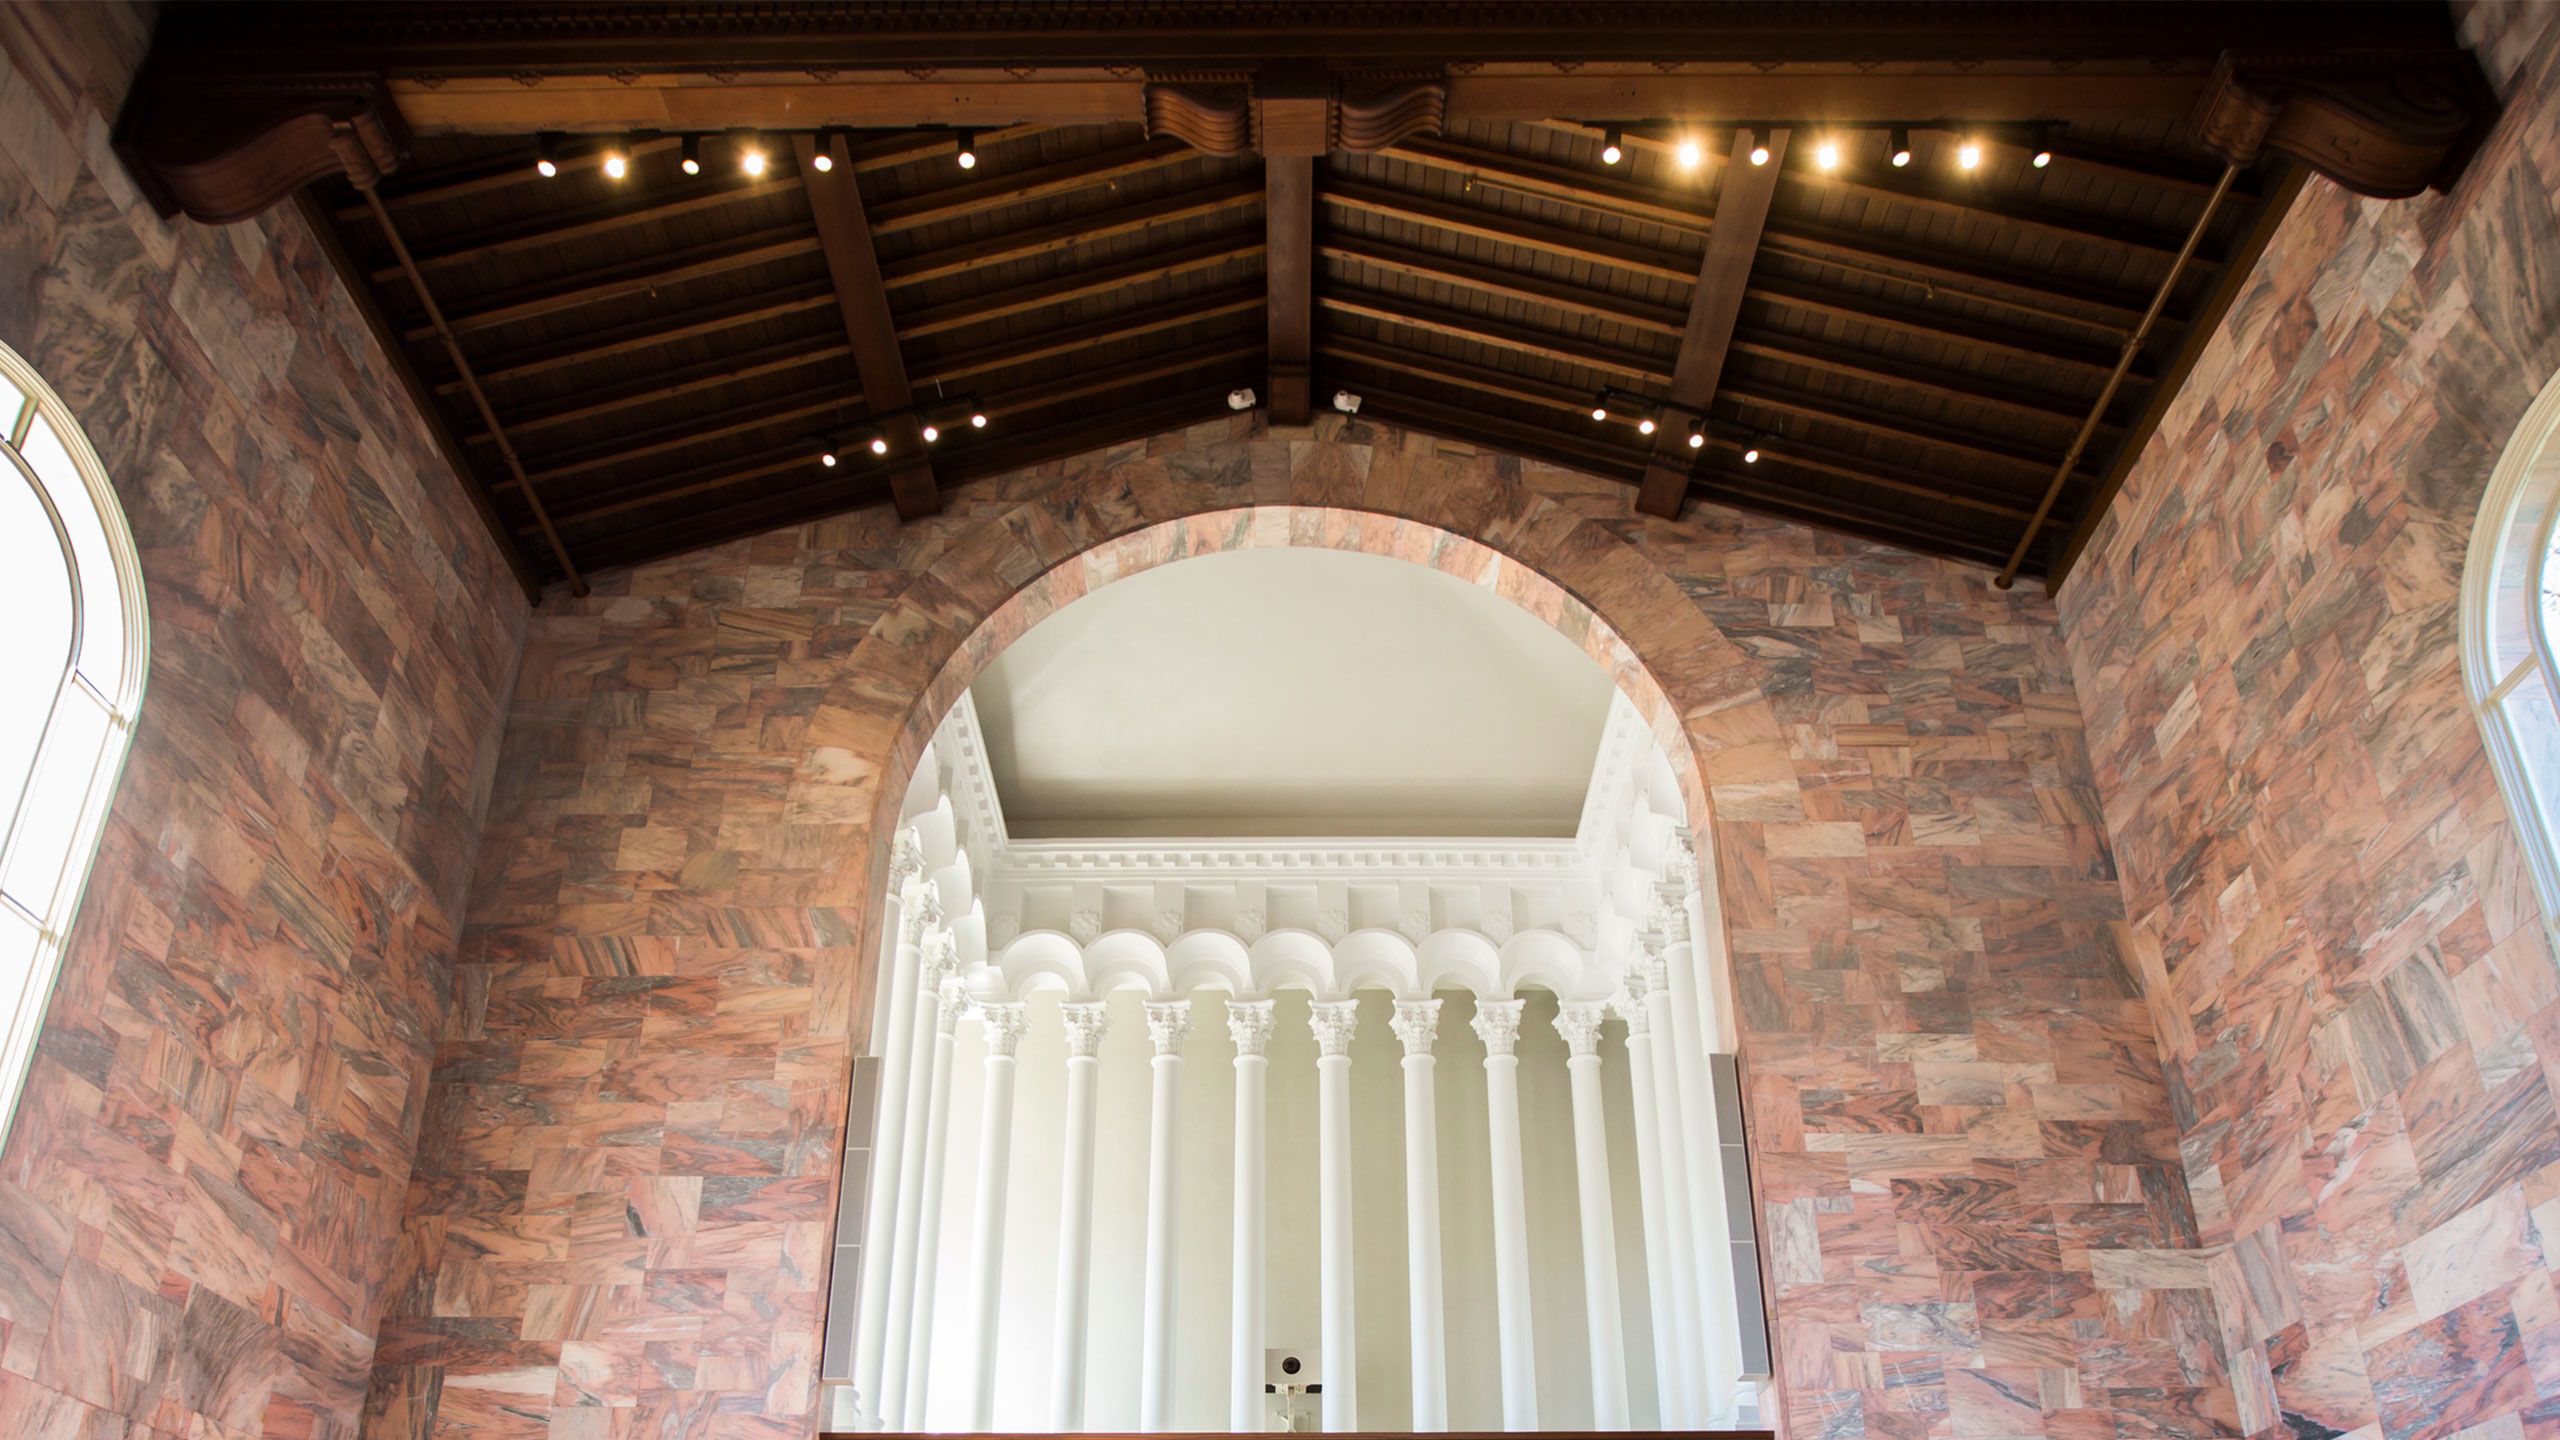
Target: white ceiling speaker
{"x":1241,"y":398}
{"x":1346,"y":402}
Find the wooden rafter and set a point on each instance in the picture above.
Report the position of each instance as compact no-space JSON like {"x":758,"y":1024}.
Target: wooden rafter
{"x":662,"y":387}
{"x":835,"y":204}
{"x":1742,"y":209}
{"x":1143,"y":269}
{"x":1288,"y":270}
{"x":637,"y":277}
{"x":582,"y":221}
{"x":995,"y":357}
{"x":941,"y":262}
{"x":650,"y":334}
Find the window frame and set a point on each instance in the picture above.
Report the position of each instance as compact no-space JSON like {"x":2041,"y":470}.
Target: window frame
{"x":23,"y":1007}
{"x":2528,"y":470}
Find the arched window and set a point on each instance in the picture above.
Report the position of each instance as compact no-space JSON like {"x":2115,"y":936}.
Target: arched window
{"x":2510,"y":620}
{"x":72,"y":654}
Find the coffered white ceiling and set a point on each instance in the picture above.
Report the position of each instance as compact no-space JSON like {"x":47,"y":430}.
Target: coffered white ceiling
{"x":1292,"y":693}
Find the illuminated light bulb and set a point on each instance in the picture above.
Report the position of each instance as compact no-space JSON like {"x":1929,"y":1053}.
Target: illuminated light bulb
{"x":1645,"y":426}
{"x":692,"y":155}
{"x":1611,"y":149}
{"x":2042,"y":158}
{"x":1901,"y":147}
{"x":1599,"y":412}
{"x":751,"y":160}
{"x":977,"y":419}
{"x":968,"y":147}
{"x":1689,"y":155}
{"x":822,"y":162}
{"x":827,"y":457}
{"x":1969,"y":155}
{"x":546,"y":156}
{"x":932,"y":432}
{"x":1697,"y":434}
{"x":1751,"y":455}
{"x":1827,"y":154}
{"x":616,"y":165}
{"x":1759,"y":147}
{"x":879,"y":445}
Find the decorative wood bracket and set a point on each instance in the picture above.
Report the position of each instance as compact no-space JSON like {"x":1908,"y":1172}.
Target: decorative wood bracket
{"x":1294,"y":108}
{"x":223,"y":151}
{"x":2384,"y":126}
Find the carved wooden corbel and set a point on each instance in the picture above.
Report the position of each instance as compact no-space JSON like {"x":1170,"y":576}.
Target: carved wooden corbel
{"x":1216,"y":117}
{"x":1294,"y":108}
{"x":1367,"y":120}
{"x":2385,"y":126}
{"x":224,"y":151}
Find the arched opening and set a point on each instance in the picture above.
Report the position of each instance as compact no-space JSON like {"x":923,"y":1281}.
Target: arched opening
{"x":1068,"y":949}
{"x":2510,"y":620}
{"x":73,"y":652}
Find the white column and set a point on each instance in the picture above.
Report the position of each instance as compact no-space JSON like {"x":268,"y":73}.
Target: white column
{"x":1417,"y":1023}
{"x":939,"y":957}
{"x":1671,"y":1360}
{"x":1712,"y":1252}
{"x":1249,"y":1025}
{"x":937,"y":1144}
{"x":1497,"y":1023}
{"x":1580,"y":1023}
{"x":1168,"y":1025}
{"x":1333,"y":1022}
{"x":1657,"y":1071}
{"x":1005,"y":1023}
{"x":918,"y":907}
{"x":1085,"y":1022}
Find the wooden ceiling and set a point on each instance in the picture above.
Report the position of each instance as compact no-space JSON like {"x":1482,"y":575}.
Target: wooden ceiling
{"x":1955,"y":358}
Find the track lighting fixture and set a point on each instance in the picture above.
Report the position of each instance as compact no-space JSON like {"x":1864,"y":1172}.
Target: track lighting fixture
{"x":1241,"y":398}
{"x":1697,"y":434}
{"x":1969,"y":155}
{"x":1759,"y":146}
{"x":751,"y":154}
{"x":1600,"y":407}
{"x":617,"y":160}
{"x":977,"y":419}
{"x":827,"y":456}
{"x":1901,"y":147}
{"x":2044,"y":151}
{"x":692,"y":152}
{"x":932,"y":432}
{"x":1612,"y":147}
{"x":824,"y":159}
{"x":968,"y":150}
{"x":879,"y":444}
{"x":1646,"y":426}
{"x":1826,"y":153}
{"x":546,"y":155}
{"x":1689,"y":155}
{"x":1751,"y":453}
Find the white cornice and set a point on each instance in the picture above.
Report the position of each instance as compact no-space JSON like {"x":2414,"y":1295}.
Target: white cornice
{"x":1319,"y":858}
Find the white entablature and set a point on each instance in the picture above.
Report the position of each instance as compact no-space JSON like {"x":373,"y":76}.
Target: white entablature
{"x":1328,"y":916}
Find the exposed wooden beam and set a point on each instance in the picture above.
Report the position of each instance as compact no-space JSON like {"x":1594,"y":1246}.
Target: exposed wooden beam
{"x":1210,"y":254}
{"x":2033,"y":347}
{"x":2043,"y":407}
{"x":1433,"y":319}
{"x":998,"y":356}
{"x":649,"y":334}
{"x":835,"y":204}
{"x":1491,"y":226}
{"x":809,"y":410}
{"x":953,"y":202}
{"x":1573,"y":407}
{"x":2075,"y":226}
{"x":1886,"y":424}
{"x":667,"y":386}
{"x":1288,"y":275}
{"x":1572,"y":300}
{"x":578,"y":222}
{"x":1742,"y":209}
{"x":635,"y":277}
{"x":1075,"y":233}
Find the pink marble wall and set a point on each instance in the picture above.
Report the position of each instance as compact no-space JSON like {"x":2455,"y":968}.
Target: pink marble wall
{"x":199,"y":1199}
{"x":2329,"y":913}
{"x":1975,"y":1210}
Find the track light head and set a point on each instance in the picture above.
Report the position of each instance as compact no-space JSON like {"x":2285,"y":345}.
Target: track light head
{"x":2044,"y":153}
{"x":1600,"y":408}
{"x":1612,"y":146}
{"x":1969,"y":155}
{"x":977,"y":419}
{"x":827,"y":457}
{"x":879,"y":444}
{"x":1689,"y":155}
{"x":692,"y":152}
{"x":824,"y":160}
{"x":1646,"y":426}
{"x":617,"y":160}
{"x":968,"y":150}
{"x":1826,"y":153}
{"x":546,"y":155}
{"x":1697,"y":434}
{"x":1901,"y":147}
{"x":751,"y":158}
{"x":1751,"y":453}
{"x":1759,"y":146}
{"x":932,"y":432}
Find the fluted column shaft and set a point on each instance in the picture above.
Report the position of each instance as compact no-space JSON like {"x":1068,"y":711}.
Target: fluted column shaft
{"x":918,"y":907}
{"x":1334,"y":1021}
{"x":1005,"y":1023}
{"x":1580,"y":1024}
{"x":1417,"y":1022}
{"x":937,"y":1146}
{"x":938,"y":957}
{"x":1497,"y":1023}
{"x":1249,"y":1025}
{"x":1712,"y":1251}
{"x":1672,"y":1362}
{"x":1679,"y":1177}
{"x":1168,"y":1025}
{"x":1085,"y":1022}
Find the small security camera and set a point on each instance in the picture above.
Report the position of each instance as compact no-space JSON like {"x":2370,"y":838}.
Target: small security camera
{"x":1241,"y":398}
{"x":1346,"y":402}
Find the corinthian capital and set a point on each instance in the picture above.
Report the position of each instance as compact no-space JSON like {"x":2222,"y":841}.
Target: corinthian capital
{"x":1333,"y":1022}
{"x":1005,"y":1021}
{"x":1249,"y":1025}
{"x":1085,"y":1020}
{"x":922,"y":908}
{"x":1579,"y":1022}
{"x":1497,"y":1024}
{"x":1417,"y":1024}
{"x":1168,"y":1025}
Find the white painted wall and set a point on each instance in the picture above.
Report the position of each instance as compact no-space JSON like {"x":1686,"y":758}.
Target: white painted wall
{"x":1207,"y":1108}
